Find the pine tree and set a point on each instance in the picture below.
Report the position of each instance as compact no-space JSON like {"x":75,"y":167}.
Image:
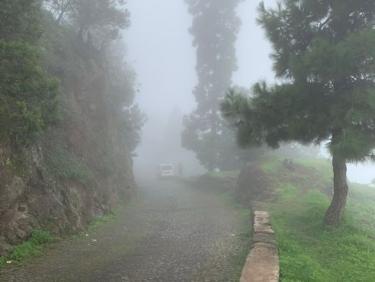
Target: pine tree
{"x":215,"y":27}
{"x":324,"y":56}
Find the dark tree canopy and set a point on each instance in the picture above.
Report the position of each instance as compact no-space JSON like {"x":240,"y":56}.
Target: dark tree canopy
{"x":324,"y":56}
{"x":20,"y":20}
{"x":96,"y":21}
{"x":215,"y":27}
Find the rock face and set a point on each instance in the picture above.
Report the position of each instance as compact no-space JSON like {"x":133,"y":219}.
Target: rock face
{"x":78,"y":170}
{"x":262,"y":264}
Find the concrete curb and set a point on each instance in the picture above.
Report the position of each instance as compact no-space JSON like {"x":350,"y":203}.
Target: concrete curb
{"x":262,"y":264}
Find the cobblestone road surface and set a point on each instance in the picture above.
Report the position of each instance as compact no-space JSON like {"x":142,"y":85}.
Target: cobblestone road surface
{"x":171,"y":232}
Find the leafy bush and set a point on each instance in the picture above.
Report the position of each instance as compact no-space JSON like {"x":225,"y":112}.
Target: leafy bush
{"x":39,"y":237}
{"x":27,"y":94}
{"x":20,"y":19}
{"x":25,"y":250}
{"x":66,"y":165}
{"x":99,"y":221}
{"x":32,"y":247}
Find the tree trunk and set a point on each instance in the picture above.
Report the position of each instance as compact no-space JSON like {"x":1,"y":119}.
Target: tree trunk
{"x":340,"y":192}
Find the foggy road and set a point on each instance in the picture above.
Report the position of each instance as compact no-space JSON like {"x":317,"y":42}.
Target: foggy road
{"x":171,"y":232}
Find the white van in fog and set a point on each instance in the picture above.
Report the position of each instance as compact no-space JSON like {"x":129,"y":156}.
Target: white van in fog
{"x":166,"y":170}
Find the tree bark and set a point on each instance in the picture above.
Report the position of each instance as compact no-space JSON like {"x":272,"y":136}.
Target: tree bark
{"x":340,"y":192}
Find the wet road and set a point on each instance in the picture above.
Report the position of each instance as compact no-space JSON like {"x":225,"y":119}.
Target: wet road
{"x":171,"y":232}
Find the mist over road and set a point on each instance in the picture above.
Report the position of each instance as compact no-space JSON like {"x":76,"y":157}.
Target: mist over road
{"x":171,"y":232}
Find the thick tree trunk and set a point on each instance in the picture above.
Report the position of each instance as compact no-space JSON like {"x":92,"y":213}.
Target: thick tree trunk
{"x":340,"y":192}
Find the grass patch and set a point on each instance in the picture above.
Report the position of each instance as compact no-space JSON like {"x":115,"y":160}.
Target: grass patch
{"x":224,"y":174}
{"x":39,"y":239}
{"x":271,"y":165}
{"x":324,"y":166}
{"x":30,"y":248}
{"x":99,"y":221}
{"x":308,"y":250}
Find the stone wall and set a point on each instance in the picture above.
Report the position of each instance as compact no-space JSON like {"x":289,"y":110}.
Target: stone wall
{"x":262,"y":264}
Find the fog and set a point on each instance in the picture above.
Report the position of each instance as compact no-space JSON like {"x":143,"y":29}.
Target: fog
{"x":160,"y":50}
{"x":153,"y":140}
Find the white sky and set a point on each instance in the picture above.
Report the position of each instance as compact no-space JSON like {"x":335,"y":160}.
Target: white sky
{"x":159,"y":47}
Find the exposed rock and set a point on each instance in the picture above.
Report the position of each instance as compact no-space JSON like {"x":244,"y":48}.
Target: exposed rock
{"x":5,"y":248}
{"x":10,"y":192}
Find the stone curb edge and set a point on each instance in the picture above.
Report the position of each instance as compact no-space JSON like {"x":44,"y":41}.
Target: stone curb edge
{"x":262,"y":263}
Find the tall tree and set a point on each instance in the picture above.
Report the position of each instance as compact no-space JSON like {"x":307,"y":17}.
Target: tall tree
{"x":96,"y":21}
{"x":324,"y":56}
{"x":215,"y":26}
{"x":100,"y":19}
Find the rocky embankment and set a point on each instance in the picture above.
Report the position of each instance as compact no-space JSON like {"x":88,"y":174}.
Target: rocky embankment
{"x":77,"y":171}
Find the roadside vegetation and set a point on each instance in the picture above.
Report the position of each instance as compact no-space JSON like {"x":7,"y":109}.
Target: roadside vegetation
{"x":310,"y":251}
{"x":100,"y":221}
{"x":33,"y":247}
{"x":41,"y":239}
{"x":65,"y":165}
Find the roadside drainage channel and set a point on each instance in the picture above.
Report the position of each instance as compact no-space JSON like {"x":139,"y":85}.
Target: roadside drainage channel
{"x":262,"y":264}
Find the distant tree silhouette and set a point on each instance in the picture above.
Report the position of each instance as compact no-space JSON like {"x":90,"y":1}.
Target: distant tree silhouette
{"x":215,"y":27}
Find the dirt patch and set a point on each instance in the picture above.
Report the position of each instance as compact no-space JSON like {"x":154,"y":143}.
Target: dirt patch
{"x":253,"y":185}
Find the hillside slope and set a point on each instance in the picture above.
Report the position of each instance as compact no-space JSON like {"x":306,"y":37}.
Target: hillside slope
{"x":309,"y":252}
{"x":81,"y":166}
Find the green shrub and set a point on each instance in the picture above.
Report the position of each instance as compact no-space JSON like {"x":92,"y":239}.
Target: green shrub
{"x":99,"y":221}
{"x":66,"y":165}
{"x":33,"y":247}
{"x":28,"y":95}
{"x":25,"y":250}
{"x":39,"y":237}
